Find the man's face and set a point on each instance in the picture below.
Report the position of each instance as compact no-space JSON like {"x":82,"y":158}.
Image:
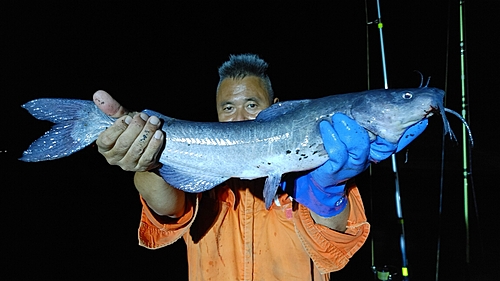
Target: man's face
{"x":241,"y":99}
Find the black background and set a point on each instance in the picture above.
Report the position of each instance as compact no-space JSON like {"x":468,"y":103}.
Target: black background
{"x":77,"y":218}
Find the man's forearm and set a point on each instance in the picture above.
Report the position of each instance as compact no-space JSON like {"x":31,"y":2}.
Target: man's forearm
{"x":338,"y":222}
{"x":161,"y":197}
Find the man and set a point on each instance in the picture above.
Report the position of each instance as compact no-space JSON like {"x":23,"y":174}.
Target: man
{"x":310,"y":230}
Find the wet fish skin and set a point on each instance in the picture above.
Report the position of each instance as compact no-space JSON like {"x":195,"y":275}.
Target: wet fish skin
{"x":283,"y":138}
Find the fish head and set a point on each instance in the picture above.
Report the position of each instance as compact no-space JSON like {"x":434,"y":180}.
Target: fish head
{"x":388,"y":113}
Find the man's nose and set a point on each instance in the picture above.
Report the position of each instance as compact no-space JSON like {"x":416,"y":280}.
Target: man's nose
{"x":240,"y":116}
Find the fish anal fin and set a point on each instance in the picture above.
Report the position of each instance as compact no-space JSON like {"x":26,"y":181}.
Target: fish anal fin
{"x":190,"y":179}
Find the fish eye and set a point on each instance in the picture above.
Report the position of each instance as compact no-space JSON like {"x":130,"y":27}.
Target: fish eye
{"x":407,"y":95}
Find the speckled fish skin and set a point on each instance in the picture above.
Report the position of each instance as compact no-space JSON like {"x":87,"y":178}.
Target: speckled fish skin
{"x":284,"y":138}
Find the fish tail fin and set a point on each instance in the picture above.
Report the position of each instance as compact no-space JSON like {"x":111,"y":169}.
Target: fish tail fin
{"x":78,"y":123}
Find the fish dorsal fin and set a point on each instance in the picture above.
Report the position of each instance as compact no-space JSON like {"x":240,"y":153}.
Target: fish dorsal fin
{"x":280,"y":108}
{"x":189,"y":179}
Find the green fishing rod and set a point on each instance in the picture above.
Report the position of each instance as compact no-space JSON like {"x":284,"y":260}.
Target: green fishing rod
{"x":467,"y":143}
{"x":464,"y":139}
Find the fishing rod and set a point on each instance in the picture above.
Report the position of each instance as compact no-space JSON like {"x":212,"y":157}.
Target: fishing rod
{"x":464,"y":139}
{"x":441,"y":183}
{"x":467,"y":144}
{"x":384,"y":273}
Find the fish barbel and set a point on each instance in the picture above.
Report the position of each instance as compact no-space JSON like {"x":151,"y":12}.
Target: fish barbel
{"x":285,"y":137}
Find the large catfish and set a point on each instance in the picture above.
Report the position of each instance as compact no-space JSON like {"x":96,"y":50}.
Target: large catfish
{"x":198,"y":156}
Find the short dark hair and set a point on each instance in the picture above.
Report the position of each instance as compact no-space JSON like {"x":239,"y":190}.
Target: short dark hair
{"x":240,"y":66}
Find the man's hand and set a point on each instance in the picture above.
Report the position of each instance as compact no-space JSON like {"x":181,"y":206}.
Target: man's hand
{"x":134,"y":141}
{"x":348,"y":146}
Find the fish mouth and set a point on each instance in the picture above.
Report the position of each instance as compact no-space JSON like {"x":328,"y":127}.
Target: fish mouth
{"x":431,"y":111}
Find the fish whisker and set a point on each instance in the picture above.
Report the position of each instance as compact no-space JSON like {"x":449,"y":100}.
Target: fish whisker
{"x":465,"y":124}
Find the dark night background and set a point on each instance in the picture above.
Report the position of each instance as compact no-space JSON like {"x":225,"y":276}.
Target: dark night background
{"x":77,"y":218}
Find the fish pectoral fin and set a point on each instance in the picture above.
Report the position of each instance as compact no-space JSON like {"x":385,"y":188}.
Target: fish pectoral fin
{"x":190,"y":179}
{"x":270,"y":188}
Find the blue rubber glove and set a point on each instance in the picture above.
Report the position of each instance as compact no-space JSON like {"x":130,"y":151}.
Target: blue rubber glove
{"x":350,"y":151}
{"x":322,"y":190}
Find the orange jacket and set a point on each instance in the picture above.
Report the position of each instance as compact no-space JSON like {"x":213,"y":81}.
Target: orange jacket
{"x":231,"y":236}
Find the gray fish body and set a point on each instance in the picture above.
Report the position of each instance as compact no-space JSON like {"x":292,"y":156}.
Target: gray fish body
{"x":283,"y":138}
